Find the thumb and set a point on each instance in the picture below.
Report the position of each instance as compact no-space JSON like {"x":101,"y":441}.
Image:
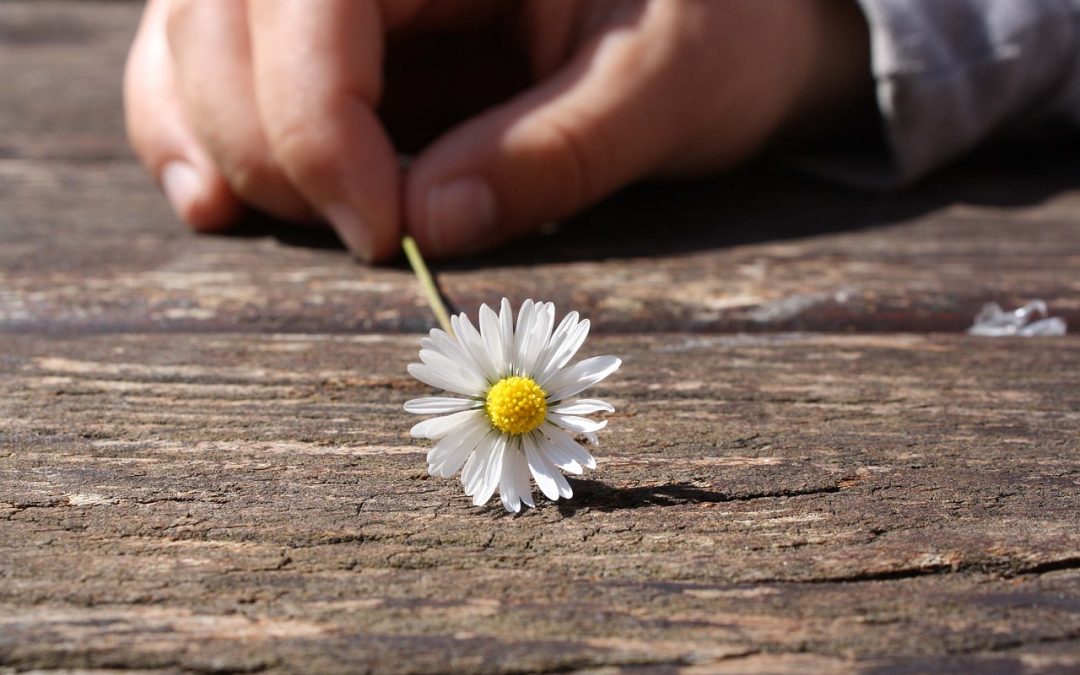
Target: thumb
{"x":579,"y":135}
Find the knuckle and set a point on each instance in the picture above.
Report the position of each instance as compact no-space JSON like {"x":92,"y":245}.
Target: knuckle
{"x":249,"y":167}
{"x":240,"y":153}
{"x":577,"y":163}
{"x":302,"y":151}
{"x":248,"y":173}
{"x":180,"y":16}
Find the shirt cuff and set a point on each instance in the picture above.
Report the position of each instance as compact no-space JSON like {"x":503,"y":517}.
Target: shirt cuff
{"x":950,"y":73}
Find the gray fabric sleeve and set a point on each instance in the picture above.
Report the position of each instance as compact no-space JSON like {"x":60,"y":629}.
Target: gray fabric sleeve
{"x":950,"y":73}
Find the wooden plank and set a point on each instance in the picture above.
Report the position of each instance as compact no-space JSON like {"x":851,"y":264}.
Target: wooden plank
{"x":62,"y":65}
{"x":779,"y":503}
{"x":93,"y":248}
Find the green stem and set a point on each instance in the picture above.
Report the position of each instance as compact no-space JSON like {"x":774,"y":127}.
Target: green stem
{"x":431,"y":291}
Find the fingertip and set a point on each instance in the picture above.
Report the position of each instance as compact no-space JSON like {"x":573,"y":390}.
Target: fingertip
{"x":355,"y":232}
{"x":455,"y":215}
{"x":345,"y":166}
{"x":200,"y":200}
{"x":490,"y":179}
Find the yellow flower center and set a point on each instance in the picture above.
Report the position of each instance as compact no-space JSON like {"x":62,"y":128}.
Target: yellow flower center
{"x":516,"y":405}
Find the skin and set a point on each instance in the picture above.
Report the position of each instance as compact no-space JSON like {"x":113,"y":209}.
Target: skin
{"x":516,"y":113}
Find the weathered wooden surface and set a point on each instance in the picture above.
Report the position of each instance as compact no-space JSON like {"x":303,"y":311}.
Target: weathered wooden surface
{"x":204,"y":465}
{"x":238,"y":501}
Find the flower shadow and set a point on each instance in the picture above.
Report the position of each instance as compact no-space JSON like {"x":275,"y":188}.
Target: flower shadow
{"x":594,"y":495}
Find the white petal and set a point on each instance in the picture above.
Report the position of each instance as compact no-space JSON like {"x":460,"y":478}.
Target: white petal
{"x":506,"y":330}
{"x":543,"y":471}
{"x":585,"y":406}
{"x":446,"y":458}
{"x":519,"y":469}
{"x":522,"y":332}
{"x":563,"y":464}
{"x":507,"y":495}
{"x":562,"y":445}
{"x":579,"y":425}
{"x":560,"y":481}
{"x":492,"y":472}
{"x":509,"y":492}
{"x":473,"y":473}
{"x":492,"y":335}
{"x":525,"y":313}
{"x":438,"y":405}
{"x":581,"y":376}
{"x":440,"y":341}
{"x":565,"y":326}
{"x":592,"y":439}
{"x":564,"y":351}
{"x":564,"y":486}
{"x":560,"y":458}
{"x":454,"y":350}
{"x":536,"y":340}
{"x":474,"y":344}
{"x":441,"y":380}
{"x":437,"y":427}
{"x":434,"y":378}
{"x":458,"y":371}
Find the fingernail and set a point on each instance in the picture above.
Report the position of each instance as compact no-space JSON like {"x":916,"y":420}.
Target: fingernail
{"x":183,"y":186}
{"x":460,"y":212}
{"x":352,"y":229}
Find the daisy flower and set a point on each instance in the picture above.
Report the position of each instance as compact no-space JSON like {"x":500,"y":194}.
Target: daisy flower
{"x":514,"y":417}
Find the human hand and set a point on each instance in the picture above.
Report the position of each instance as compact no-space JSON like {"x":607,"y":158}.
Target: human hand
{"x":285,"y":105}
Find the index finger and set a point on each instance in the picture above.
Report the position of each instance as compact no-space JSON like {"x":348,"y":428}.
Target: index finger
{"x":318,"y":74}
